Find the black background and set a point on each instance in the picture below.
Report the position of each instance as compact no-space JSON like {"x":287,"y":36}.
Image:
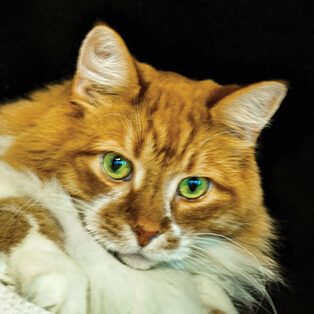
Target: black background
{"x":230,"y":41}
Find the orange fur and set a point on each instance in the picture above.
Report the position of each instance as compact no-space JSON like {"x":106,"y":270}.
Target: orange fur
{"x":171,"y":132}
{"x":169,"y":127}
{"x":15,"y":223}
{"x":14,"y":226}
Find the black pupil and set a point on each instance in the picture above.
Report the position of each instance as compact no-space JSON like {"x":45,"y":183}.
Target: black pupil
{"x":117,"y":162}
{"x":193,"y":184}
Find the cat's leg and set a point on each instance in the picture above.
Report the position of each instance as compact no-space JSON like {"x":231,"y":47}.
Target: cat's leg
{"x":30,"y":243}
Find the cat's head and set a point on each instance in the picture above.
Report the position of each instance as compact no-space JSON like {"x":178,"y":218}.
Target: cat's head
{"x":158,"y":161}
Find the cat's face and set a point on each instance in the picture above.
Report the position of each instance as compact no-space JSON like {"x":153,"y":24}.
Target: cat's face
{"x":157,"y":160}
{"x":160,"y":171}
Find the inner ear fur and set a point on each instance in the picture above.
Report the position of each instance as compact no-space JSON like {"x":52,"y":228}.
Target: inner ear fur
{"x":248,"y":110}
{"x":104,"y":66}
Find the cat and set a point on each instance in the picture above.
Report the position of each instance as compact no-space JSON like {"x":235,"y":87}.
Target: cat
{"x":132,"y":190}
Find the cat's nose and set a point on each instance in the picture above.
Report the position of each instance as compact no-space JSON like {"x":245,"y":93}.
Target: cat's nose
{"x":145,"y":236}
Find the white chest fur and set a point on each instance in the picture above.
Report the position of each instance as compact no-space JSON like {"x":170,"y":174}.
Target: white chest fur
{"x":114,"y":287}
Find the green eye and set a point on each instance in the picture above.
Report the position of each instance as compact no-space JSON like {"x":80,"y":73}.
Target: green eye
{"x":193,"y":187}
{"x":116,"y":166}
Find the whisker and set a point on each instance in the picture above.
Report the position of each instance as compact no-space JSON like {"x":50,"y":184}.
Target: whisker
{"x":255,"y":275}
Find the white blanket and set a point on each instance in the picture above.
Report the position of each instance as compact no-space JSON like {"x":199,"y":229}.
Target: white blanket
{"x":12,"y":303}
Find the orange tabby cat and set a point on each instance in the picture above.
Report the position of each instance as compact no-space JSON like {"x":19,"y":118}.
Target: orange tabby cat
{"x":152,"y":167}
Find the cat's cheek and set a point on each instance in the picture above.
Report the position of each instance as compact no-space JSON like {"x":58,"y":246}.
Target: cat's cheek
{"x":123,"y":245}
{"x":102,"y":216}
{"x":169,"y":247}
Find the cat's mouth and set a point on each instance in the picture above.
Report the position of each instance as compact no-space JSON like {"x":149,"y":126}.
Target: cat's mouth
{"x":136,"y":260}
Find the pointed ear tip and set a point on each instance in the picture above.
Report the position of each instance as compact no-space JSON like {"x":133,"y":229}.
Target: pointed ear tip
{"x":100,"y":33}
{"x":280,"y":86}
{"x":284,"y":85}
{"x":101,"y":23}
{"x":103,"y":27}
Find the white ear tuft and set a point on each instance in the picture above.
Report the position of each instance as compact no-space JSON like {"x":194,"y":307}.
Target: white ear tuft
{"x":104,"y":63}
{"x":250,"y":108}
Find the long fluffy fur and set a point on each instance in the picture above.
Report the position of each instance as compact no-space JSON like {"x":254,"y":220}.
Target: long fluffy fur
{"x":170,"y":128}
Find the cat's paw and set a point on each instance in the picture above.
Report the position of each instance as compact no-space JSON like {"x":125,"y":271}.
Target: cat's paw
{"x":5,"y":278}
{"x":62,"y":293}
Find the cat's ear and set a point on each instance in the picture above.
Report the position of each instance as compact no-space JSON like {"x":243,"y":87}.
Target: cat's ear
{"x":104,"y":66}
{"x":247,"y":110}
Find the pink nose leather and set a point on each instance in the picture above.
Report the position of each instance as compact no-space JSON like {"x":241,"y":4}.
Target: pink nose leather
{"x":144,"y":236}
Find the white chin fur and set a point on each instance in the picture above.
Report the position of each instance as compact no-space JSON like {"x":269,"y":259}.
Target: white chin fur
{"x":137,"y":261}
